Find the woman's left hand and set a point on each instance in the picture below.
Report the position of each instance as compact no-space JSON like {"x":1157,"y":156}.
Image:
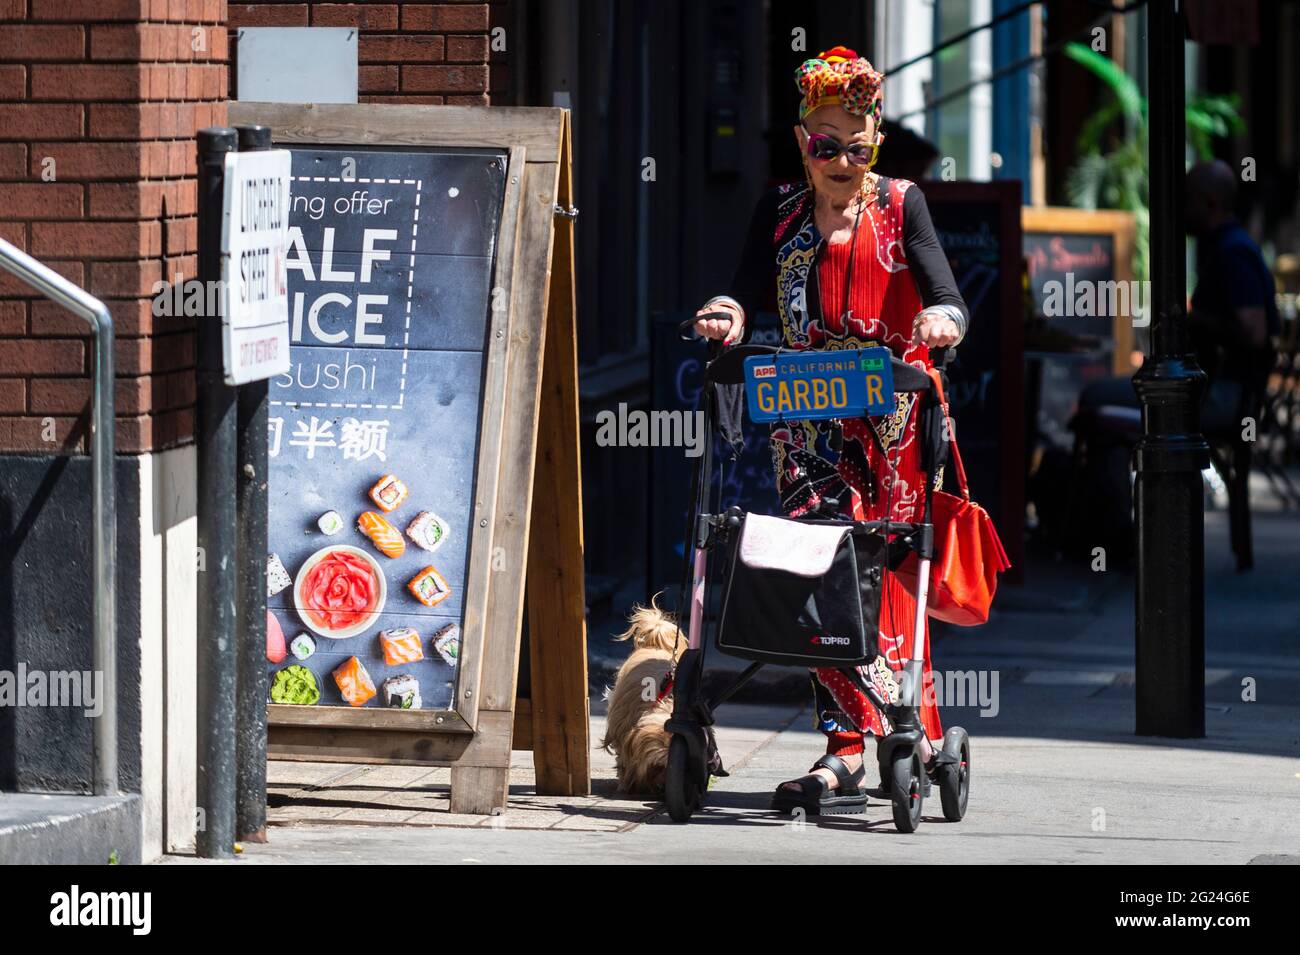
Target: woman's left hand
{"x":934,"y":329}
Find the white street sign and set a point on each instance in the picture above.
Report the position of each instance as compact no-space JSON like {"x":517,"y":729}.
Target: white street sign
{"x":255,"y":353}
{"x":254,"y":241}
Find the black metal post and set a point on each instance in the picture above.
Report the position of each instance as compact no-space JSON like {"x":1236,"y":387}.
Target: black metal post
{"x":1170,"y":606}
{"x":215,"y":438}
{"x":250,"y":735}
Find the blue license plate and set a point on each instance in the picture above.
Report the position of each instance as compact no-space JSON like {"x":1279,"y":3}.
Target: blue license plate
{"x":819,"y":385}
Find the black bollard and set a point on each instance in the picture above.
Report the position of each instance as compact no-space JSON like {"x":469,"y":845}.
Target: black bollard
{"x":251,"y":476}
{"x":215,"y":430}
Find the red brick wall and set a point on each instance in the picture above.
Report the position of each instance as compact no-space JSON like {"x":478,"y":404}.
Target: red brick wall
{"x":408,"y":52}
{"x":99,"y":103}
{"x":105,"y":96}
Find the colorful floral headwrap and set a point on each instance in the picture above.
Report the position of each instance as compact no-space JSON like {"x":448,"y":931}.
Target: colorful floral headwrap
{"x":839,"y":75}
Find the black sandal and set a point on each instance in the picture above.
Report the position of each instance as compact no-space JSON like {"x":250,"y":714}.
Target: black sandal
{"x":815,"y":798}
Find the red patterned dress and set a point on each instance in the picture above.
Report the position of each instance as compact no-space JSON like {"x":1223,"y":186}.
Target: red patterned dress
{"x":898,"y":269}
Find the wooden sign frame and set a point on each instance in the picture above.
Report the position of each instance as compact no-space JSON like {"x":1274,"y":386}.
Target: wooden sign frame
{"x":1122,"y":228}
{"x":528,"y":473}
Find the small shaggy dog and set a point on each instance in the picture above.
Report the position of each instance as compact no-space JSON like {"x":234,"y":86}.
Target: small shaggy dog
{"x":635,"y":731}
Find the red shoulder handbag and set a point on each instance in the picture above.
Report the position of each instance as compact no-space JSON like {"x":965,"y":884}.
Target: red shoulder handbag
{"x":968,"y":553}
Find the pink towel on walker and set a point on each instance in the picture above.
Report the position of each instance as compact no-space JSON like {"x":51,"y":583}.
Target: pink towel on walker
{"x":775,"y":543}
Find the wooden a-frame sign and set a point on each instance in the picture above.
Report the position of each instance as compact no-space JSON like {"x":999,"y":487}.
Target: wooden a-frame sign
{"x":526,"y":530}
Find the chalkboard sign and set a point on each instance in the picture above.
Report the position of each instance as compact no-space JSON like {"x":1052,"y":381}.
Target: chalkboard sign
{"x":1058,"y":265}
{"x":978,"y":224}
{"x":423,"y":447}
{"x":388,"y":337}
{"x":1080,"y":269}
{"x":1079,"y":261}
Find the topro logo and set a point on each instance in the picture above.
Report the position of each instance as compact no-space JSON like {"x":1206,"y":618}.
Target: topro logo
{"x":75,"y":907}
{"x":826,"y":640}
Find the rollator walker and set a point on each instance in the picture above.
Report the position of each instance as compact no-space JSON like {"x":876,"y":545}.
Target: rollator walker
{"x":713,"y":559}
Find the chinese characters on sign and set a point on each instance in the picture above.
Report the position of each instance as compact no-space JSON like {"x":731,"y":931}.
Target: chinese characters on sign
{"x":356,"y":440}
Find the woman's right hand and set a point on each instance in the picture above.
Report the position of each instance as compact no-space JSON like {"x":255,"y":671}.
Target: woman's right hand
{"x":726,"y":330}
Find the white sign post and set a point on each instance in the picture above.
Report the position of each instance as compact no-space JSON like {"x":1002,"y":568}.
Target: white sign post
{"x":254,"y":240}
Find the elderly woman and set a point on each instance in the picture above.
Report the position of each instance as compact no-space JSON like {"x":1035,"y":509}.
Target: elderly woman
{"x":848,"y":259}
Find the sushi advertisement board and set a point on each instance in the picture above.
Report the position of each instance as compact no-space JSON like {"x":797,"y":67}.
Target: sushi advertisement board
{"x":425,"y":571}
{"x":374,"y":427}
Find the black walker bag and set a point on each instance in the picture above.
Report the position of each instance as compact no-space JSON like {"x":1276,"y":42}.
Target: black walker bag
{"x":802,"y":592}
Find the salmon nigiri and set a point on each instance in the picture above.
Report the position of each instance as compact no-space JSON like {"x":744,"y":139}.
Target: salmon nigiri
{"x":386,"y":538}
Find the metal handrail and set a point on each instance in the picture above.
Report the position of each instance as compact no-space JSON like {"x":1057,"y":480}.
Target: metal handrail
{"x":103,"y":503}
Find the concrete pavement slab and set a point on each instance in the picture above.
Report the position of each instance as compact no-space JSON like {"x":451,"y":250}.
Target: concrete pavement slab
{"x":333,"y":795}
{"x":1058,"y":774}
{"x":1041,"y":796}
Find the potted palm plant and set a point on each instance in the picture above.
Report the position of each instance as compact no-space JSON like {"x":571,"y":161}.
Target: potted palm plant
{"x":1111,"y":169}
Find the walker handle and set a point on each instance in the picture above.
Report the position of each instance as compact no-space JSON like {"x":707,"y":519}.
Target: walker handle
{"x":686,"y":329}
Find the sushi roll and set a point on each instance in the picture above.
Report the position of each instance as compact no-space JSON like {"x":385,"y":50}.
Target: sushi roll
{"x":389,"y":493}
{"x":402,"y":692}
{"x":354,"y":682}
{"x":330,"y":523}
{"x":427,"y":531}
{"x":429,"y":587}
{"x":303,"y":646}
{"x":277,"y":578}
{"x":382,"y":534}
{"x":401,"y":645}
{"x":447,"y":643}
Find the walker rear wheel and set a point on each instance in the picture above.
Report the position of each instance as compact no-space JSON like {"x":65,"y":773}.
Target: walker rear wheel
{"x":907,"y":788}
{"x":681,"y":791}
{"x":954,"y":783}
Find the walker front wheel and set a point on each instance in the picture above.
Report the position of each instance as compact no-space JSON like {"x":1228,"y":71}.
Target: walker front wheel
{"x":681,"y":791}
{"x":907,"y":788}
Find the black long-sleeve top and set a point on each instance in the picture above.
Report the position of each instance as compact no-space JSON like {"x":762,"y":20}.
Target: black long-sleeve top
{"x":754,"y":283}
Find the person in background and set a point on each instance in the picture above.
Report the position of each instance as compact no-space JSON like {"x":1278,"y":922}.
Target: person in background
{"x":1233,"y":321}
